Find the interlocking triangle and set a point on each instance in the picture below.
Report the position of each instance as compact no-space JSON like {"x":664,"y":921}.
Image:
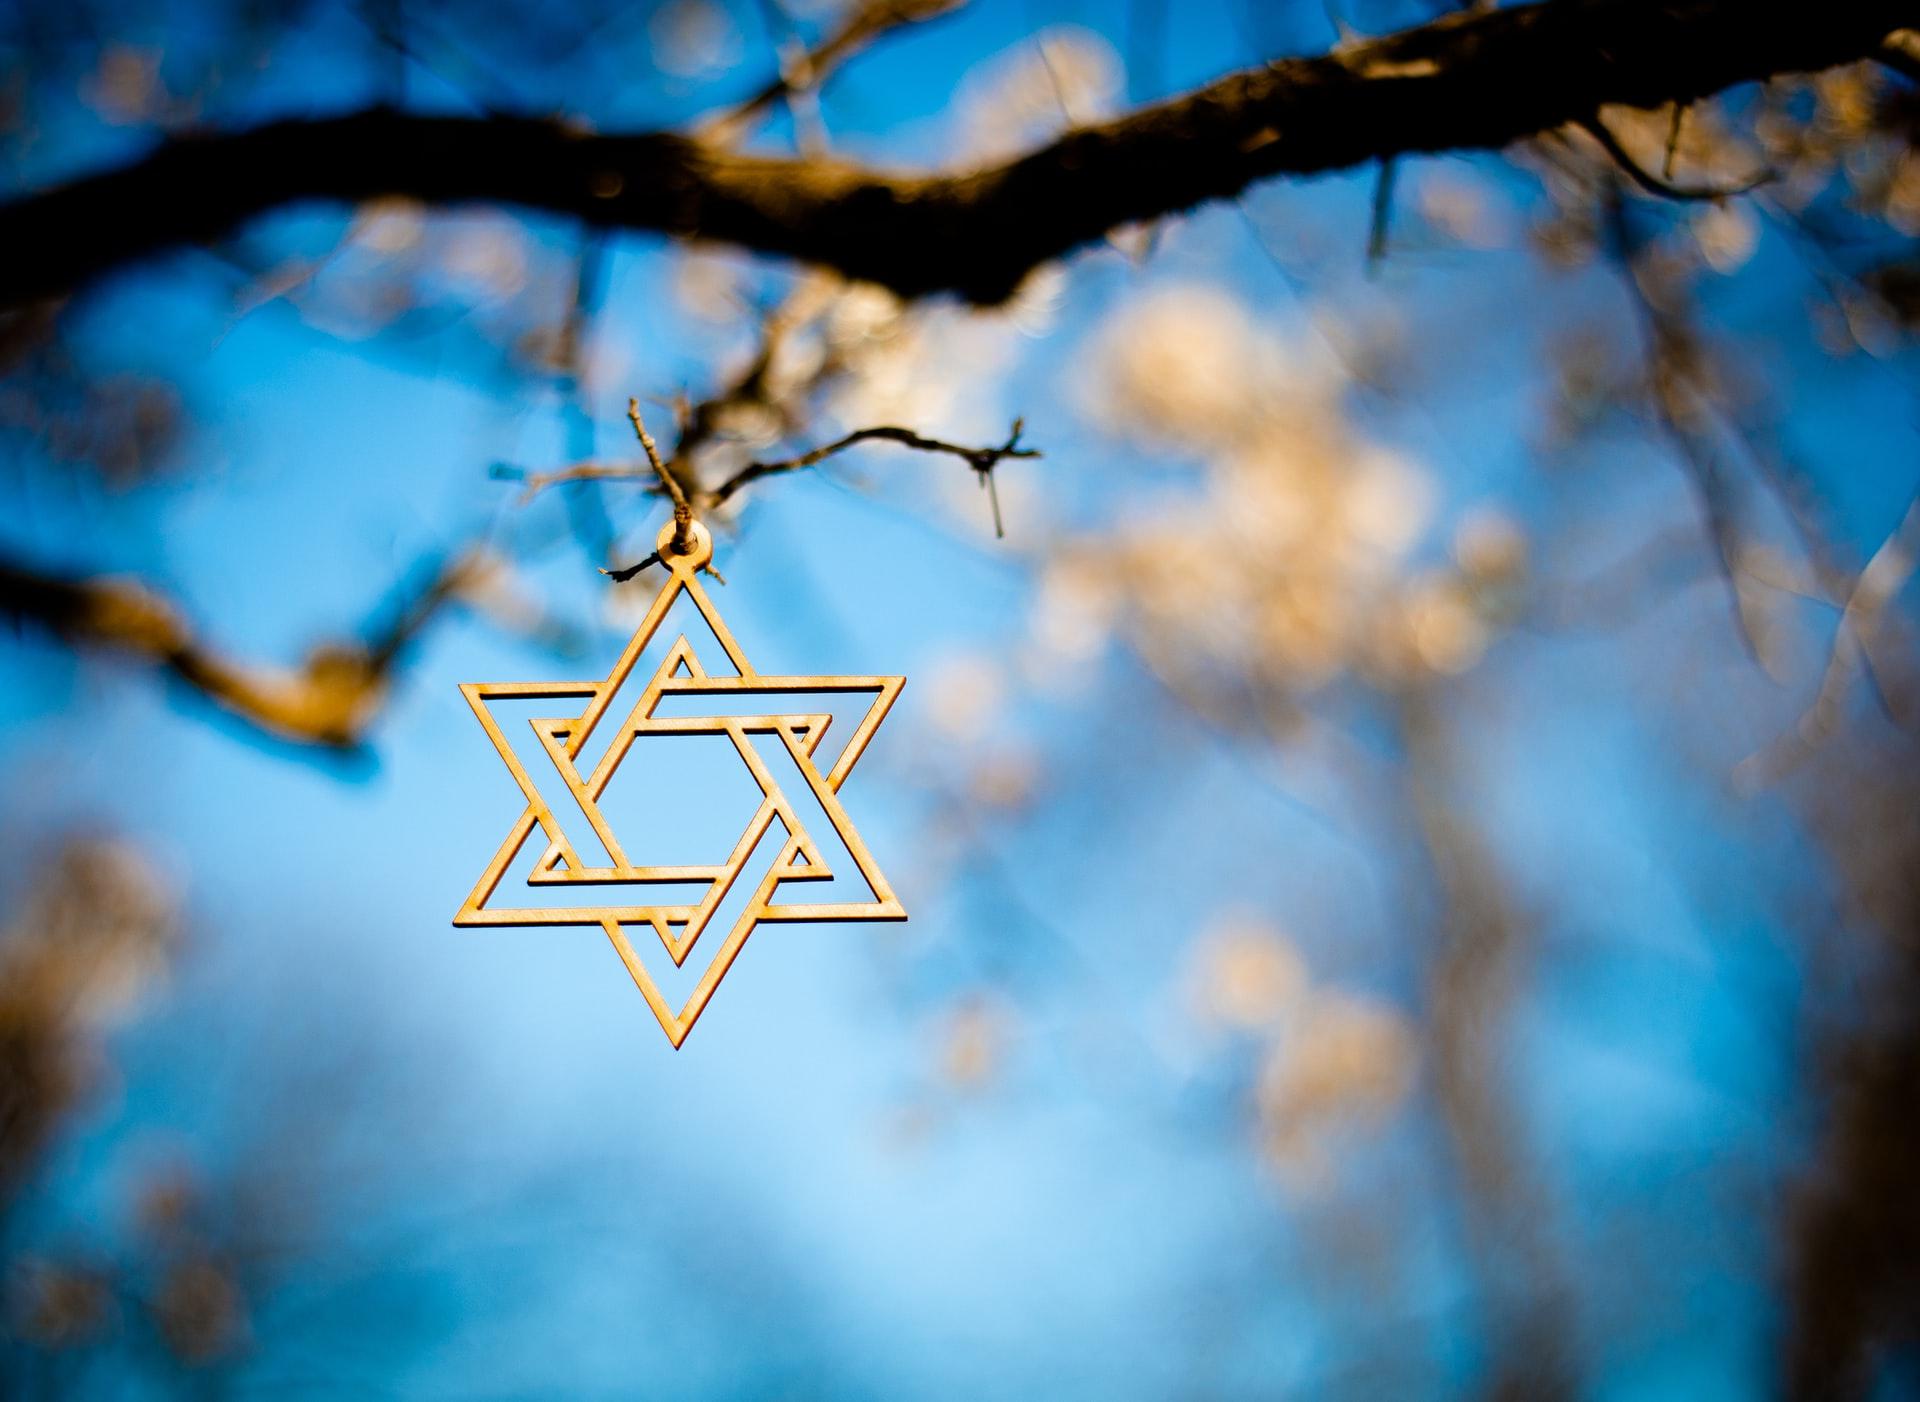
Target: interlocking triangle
{"x":680,"y":675}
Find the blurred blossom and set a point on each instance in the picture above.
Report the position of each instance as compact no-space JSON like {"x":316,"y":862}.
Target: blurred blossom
{"x":389,"y":225}
{"x":1851,"y":321}
{"x":488,"y":252}
{"x":128,"y":426}
{"x":965,"y":691}
{"x":166,"y":1198}
{"x":94,"y":930}
{"x":1583,"y":385}
{"x":1004,"y":779}
{"x":1442,"y":629}
{"x":1181,"y":365}
{"x":1075,"y":608}
{"x":1386,"y":502}
{"x":937,"y":368}
{"x":694,"y":38}
{"x":200,"y":1310}
{"x":1489,"y":548}
{"x":973,"y":1041}
{"x":794,"y":364}
{"x":709,"y":287}
{"x":1035,"y":305}
{"x":1287,"y":567}
{"x":124,"y":88}
{"x":1836,"y":141}
{"x":492,"y":585}
{"x":865,"y":312}
{"x":1062,"y":76}
{"x":1902,"y":206}
{"x":1464,"y":208}
{"x":1567,"y":232}
{"x":1332,"y":1062}
{"x":1709,"y":152}
{"x":56,"y":1306}
{"x":1245,"y":975}
{"x":1344,"y":1065}
{"x":395,"y":260}
{"x":1727,"y":234}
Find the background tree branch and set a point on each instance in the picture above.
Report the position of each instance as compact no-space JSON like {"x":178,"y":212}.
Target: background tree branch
{"x":808,"y":69}
{"x":1472,"y":80}
{"x":338,"y":689}
{"x":327,"y":701}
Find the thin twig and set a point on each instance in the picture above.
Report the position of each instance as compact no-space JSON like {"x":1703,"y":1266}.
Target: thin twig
{"x":1666,"y":189}
{"x":586,"y":510}
{"x":1719,"y":502}
{"x":753,"y":387}
{"x":981,"y":460}
{"x":1680,"y":110}
{"x":1377,"y":228}
{"x":538,"y":482}
{"x":682,"y":508}
{"x":802,"y":72}
{"x":621,"y":576}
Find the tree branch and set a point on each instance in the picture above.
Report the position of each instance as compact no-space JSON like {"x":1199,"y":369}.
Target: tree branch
{"x":1471,"y":80}
{"x":1659,"y":184}
{"x":328,"y":701}
{"x":808,"y":70}
{"x":682,"y":508}
{"x":981,"y":460}
{"x":336,"y":692}
{"x":538,"y":482}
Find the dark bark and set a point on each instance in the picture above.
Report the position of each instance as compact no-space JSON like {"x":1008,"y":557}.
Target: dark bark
{"x":1475,"y":80}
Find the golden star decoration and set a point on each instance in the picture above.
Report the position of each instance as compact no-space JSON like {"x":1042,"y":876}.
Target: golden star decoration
{"x":680,"y":674}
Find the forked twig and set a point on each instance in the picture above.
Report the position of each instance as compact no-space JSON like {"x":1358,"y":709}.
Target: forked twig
{"x":981,"y":460}
{"x":1666,"y":189}
{"x":803,"y":72}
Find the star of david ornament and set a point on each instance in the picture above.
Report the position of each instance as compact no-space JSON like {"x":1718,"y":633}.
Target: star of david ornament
{"x":730,"y":688}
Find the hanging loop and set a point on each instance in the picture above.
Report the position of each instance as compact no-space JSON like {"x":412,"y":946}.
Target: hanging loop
{"x":684,"y":546}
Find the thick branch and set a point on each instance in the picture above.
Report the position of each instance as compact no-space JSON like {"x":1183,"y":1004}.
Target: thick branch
{"x":1472,"y":80}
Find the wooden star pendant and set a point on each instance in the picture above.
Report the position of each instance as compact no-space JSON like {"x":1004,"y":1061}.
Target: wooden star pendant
{"x":680,"y":675}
